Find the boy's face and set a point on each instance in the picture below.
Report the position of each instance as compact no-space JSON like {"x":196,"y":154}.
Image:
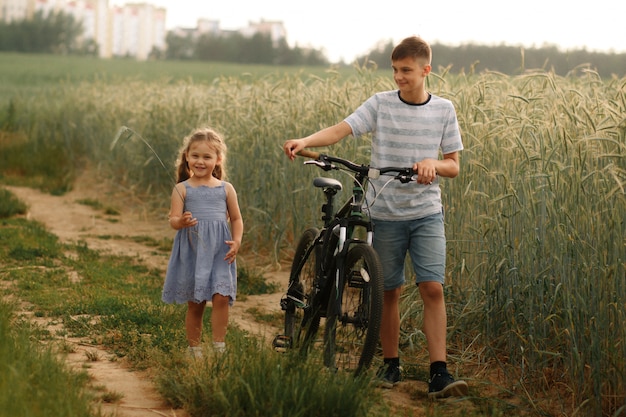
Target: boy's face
{"x":409,"y":74}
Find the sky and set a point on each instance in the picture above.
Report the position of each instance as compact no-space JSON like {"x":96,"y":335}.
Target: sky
{"x":345,"y":29}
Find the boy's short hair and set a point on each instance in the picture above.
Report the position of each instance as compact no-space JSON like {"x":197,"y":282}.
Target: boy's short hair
{"x":414,"y":47}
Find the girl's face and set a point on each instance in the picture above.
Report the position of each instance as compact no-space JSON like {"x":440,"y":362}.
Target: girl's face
{"x":202,"y":158}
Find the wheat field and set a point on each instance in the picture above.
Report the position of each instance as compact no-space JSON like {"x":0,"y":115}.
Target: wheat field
{"x":535,"y":220}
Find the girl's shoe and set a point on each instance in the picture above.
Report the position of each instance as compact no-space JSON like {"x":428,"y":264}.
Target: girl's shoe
{"x":195,"y":352}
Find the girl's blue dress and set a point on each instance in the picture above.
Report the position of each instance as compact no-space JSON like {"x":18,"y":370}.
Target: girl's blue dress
{"x":197,"y":269}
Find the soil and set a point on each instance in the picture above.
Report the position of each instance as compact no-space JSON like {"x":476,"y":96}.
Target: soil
{"x":73,"y":222}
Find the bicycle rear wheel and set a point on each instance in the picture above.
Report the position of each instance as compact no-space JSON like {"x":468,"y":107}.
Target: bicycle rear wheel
{"x":302,"y":317}
{"x":351,"y":335}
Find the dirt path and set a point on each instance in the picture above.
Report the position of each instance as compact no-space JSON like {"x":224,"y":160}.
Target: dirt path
{"x":74,"y":222}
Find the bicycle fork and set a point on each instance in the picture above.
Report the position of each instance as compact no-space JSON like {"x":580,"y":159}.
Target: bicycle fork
{"x":341,"y":254}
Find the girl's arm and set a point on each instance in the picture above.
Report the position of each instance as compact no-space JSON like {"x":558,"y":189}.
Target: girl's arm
{"x":177,"y":218}
{"x":236,"y":223}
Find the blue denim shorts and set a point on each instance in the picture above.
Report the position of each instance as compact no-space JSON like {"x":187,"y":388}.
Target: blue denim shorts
{"x":425,"y":241}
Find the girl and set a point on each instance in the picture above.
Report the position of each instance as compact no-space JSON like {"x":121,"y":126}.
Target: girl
{"x":202,"y":264}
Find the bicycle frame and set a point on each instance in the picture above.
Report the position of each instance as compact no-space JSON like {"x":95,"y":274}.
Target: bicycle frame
{"x":341,"y":224}
{"x":349,"y":217}
{"x":342,"y":280}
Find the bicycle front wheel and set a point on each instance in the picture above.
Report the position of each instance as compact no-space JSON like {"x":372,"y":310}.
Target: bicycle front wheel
{"x":302,"y":317}
{"x":352,"y":328}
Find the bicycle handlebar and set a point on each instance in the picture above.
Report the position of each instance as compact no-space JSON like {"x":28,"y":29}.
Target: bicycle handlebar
{"x":325,"y":162}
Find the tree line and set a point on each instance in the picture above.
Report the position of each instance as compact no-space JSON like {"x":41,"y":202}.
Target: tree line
{"x":56,"y":33}
{"x":235,"y":47}
{"x":60,"y":33}
{"x":509,"y":59}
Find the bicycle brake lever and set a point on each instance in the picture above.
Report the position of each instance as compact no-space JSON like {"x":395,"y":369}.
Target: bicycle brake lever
{"x":324,"y":165}
{"x":405,"y":178}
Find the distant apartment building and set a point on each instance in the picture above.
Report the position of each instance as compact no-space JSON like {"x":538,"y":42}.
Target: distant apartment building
{"x":132,"y":30}
{"x":208,"y":27}
{"x":137,"y":30}
{"x":275,"y":30}
{"x":13,"y":10}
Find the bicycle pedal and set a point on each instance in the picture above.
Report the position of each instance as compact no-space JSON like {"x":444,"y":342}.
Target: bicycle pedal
{"x":357,"y":280}
{"x":281,"y":343}
{"x":284,"y":303}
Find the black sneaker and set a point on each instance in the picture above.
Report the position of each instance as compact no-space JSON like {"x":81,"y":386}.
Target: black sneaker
{"x":442,"y":385}
{"x":389,"y":375}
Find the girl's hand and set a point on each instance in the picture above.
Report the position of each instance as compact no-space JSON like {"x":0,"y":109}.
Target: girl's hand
{"x":187,"y":220}
{"x":232,"y":253}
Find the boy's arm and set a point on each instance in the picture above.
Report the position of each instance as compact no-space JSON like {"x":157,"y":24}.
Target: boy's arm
{"x":448,"y":166}
{"x":324,"y":137}
{"x":428,"y":169}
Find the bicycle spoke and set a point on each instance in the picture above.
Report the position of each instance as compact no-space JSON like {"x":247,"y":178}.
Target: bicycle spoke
{"x":351,"y":336}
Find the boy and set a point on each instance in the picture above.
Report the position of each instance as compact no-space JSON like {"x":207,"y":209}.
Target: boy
{"x":410,"y":126}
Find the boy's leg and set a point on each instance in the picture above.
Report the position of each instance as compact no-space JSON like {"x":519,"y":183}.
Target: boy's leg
{"x":391,"y":242}
{"x":390,"y":323}
{"x":428,"y":254}
{"x":193,"y":322}
{"x":390,"y":373}
{"x":435,"y":319}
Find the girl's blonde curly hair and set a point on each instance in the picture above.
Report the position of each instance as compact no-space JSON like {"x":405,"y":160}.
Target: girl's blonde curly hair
{"x":215,"y":140}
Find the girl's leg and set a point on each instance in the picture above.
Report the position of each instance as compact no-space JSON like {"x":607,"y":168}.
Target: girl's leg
{"x":219,"y":316}
{"x":193,"y":322}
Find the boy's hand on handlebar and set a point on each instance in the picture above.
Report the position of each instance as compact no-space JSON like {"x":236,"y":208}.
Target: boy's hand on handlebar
{"x":292,"y":147}
{"x":426,"y":171}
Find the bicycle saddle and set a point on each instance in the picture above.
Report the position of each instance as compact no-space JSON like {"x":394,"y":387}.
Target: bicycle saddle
{"x":323,"y":182}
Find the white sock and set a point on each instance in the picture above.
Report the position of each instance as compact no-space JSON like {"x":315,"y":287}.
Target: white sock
{"x":195,"y":351}
{"x":219,"y":346}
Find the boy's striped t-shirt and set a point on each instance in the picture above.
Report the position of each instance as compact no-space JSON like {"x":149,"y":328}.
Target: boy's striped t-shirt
{"x":402,"y":134}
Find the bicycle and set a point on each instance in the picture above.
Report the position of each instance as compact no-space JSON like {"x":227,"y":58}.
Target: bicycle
{"x":336,"y":274}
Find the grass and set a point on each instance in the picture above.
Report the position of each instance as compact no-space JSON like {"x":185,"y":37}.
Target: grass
{"x":30,"y":72}
{"x":253,"y":380}
{"x":33,"y":381}
{"x":10,"y":205}
{"x":113,"y":305}
{"x":535,"y":221}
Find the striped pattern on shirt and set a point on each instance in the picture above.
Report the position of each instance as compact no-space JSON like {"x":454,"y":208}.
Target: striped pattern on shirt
{"x":402,"y":134}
